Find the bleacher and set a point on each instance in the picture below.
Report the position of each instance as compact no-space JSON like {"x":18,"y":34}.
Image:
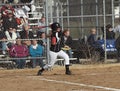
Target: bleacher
{"x":33,"y":17}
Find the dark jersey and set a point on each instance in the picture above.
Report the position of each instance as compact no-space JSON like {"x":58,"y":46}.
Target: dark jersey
{"x":56,"y":41}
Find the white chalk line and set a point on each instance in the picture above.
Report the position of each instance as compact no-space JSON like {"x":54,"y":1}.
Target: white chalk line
{"x":102,"y":73}
{"x":76,"y":84}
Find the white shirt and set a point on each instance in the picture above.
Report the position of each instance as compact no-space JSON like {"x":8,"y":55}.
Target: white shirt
{"x":35,"y":46}
{"x":117,"y":28}
{"x":11,"y":39}
{"x":40,"y":24}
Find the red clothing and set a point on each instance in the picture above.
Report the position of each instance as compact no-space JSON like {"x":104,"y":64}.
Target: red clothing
{"x":5,"y":10}
{"x":19,"y":51}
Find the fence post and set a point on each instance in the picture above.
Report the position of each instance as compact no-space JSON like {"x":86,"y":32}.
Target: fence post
{"x":47,"y":29}
{"x":68,"y":14}
{"x":97,"y":20}
{"x":119,"y":9}
{"x":104,"y":18}
{"x":82,"y":20}
{"x":113,"y":14}
{"x":61,"y":13}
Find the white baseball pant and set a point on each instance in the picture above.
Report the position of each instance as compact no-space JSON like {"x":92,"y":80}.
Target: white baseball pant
{"x":53,"y":58}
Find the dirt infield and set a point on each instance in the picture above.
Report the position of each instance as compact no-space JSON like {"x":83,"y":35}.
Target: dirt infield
{"x":102,"y":77}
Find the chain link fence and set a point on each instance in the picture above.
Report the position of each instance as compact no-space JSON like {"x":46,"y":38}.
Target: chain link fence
{"x":23,"y":42}
{"x":82,"y":18}
{"x":91,"y":24}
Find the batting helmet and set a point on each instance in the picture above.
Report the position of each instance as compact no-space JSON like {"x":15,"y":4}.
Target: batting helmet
{"x":55,"y":25}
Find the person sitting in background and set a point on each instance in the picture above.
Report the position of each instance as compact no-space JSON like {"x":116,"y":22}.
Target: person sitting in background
{"x":11,"y":36}
{"x":36,"y":50}
{"x":26,"y":34}
{"x":19,"y":51}
{"x":43,"y":41}
{"x":67,"y":39}
{"x":41,"y":25}
{"x":117,"y":28}
{"x":109,"y":32}
{"x":3,"y":42}
{"x":21,"y":16}
{"x":4,"y":10}
{"x":92,"y":38}
{"x":9,"y":21}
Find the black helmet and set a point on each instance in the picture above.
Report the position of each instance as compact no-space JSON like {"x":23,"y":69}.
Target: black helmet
{"x":54,"y":26}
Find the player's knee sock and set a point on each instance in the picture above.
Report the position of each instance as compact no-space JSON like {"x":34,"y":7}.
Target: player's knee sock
{"x":42,"y":69}
{"x":67,"y":68}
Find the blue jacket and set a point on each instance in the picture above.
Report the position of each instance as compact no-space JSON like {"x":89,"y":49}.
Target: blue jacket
{"x":36,"y":52}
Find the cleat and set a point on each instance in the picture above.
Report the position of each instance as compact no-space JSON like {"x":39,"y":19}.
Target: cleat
{"x":39,"y":73}
{"x":68,"y":73}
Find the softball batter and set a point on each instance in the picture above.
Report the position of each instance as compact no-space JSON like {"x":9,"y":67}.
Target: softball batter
{"x":55,"y":49}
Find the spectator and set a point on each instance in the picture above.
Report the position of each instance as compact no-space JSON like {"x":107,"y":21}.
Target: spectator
{"x":11,"y":36}
{"x":92,"y":38}
{"x":117,"y":28}
{"x":19,"y":51}
{"x":67,"y":39}
{"x":5,"y":10}
{"x":109,"y":32}
{"x":21,"y":11}
{"x":43,"y":42}
{"x":3,"y":42}
{"x":26,"y":34}
{"x":9,"y":22}
{"x":36,"y":50}
{"x":21,"y":15}
{"x":41,"y":25}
